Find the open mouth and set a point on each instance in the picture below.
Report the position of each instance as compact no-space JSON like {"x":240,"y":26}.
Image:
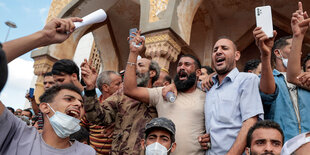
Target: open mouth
{"x":220,"y":60}
{"x":182,"y":75}
{"x":73,"y":113}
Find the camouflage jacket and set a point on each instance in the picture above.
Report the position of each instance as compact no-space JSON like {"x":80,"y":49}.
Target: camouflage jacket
{"x":129,"y":115}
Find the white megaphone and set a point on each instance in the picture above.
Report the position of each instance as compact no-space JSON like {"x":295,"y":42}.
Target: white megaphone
{"x":95,"y":17}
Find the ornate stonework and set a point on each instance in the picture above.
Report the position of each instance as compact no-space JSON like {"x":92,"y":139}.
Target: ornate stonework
{"x":95,"y":57}
{"x":156,"y":7}
{"x":56,"y":7}
{"x":42,"y":64}
{"x":162,"y":47}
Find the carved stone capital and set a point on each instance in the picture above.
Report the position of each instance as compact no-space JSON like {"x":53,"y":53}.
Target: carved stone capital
{"x":43,"y":64}
{"x":162,"y":47}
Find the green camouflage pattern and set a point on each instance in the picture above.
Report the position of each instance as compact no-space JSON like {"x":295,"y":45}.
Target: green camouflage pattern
{"x":130,"y":117}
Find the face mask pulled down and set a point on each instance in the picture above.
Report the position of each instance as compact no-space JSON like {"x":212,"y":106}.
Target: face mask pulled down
{"x":64,"y":125}
{"x":284,"y":60}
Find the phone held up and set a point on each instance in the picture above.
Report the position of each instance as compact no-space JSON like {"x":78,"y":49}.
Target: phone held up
{"x":131,"y":35}
{"x":264,"y":19}
{"x":31,"y":91}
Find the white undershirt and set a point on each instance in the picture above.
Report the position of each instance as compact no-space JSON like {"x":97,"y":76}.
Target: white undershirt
{"x":293,"y":93}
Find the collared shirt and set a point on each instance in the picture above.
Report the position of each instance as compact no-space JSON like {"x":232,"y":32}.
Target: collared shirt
{"x":129,"y":115}
{"x":279,"y":108}
{"x":228,"y":105}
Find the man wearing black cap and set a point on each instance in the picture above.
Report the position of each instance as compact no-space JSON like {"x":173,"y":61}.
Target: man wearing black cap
{"x":159,"y":137}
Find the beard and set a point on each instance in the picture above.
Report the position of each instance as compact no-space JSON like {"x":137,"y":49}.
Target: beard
{"x":142,"y":79}
{"x":184,"y":85}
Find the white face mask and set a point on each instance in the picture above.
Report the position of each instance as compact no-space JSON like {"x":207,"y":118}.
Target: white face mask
{"x":156,"y":149}
{"x":284,"y":60}
{"x":63,"y":125}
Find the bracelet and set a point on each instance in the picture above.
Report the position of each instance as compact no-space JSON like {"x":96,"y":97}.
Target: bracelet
{"x":131,"y":63}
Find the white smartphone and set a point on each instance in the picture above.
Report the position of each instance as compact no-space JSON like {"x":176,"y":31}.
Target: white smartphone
{"x":264,"y":19}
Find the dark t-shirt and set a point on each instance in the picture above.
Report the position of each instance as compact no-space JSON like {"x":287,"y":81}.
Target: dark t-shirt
{"x":3,"y":68}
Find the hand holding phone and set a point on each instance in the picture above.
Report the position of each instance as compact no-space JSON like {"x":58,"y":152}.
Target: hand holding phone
{"x":31,"y":91}
{"x":264,"y":19}
{"x":132,"y":35}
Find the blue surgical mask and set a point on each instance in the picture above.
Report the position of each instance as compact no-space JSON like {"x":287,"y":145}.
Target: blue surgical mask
{"x":64,"y":125}
{"x":156,"y":149}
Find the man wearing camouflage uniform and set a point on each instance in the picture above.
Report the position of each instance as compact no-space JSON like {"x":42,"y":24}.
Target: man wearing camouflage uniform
{"x":129,"y":115}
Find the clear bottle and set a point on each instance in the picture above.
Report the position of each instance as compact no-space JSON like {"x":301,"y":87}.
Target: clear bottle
{"x":170,"y":97}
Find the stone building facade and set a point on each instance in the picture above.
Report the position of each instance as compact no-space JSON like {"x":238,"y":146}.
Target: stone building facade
{"x":171,"y":28}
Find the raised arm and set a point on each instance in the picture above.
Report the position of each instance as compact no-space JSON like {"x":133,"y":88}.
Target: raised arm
{"x":299,"y":24}
{"x":267,"y":84}
{"x":130,"y":83}
{"x":54,"y":31}
{"x":103,"y":114}
{"x":34,"y":104}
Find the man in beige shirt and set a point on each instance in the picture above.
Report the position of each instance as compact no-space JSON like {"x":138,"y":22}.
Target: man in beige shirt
{"x":187,"y":112}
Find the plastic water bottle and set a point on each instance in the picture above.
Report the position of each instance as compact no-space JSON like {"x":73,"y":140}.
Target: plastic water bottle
{"x":170,"y":97}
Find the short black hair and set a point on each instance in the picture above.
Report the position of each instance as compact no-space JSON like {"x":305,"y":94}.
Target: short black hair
{"x":66,"y":66}
{"x":49,"y":95}
{"x":251,"y":65}
{"x":278,"y":44}
{"x":11,"y":109}
{"x":305,"y":61}
{"x":28,"y":110}
{"x":208,"y":68}
{"x":196,"y":60}
{"x":48,"y":74}
{"x":266,"y":124}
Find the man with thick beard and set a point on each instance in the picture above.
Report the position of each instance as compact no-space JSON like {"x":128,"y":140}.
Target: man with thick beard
{"x":186,"y":112}
{"x":129,"y":115}
{"x":233,"y":103}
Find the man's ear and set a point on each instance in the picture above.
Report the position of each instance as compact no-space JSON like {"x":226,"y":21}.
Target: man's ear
{"x":74,"y":76}
{"x":142,"y":142}
{"x":237,"y":55}
{"x":105,"y":87}
{"x":152,"y":73}
{"x":44,"y":108}
{"x":277,"y":53}
{"x":173,"y":147}
{"x":198,"y":72}
{"x":247,"y":151}
{"x":166,"y":83}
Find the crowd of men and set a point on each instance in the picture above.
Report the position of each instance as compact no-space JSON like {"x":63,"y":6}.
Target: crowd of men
{"x":217,"y":110}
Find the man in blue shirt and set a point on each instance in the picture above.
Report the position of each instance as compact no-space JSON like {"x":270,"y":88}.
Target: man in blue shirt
{"x":233,"y":104}
{"x":284,"y":102}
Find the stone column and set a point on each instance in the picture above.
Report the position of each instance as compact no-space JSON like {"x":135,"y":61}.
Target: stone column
{"x":42,"y":64}
{"x":162,"y":47}
{"x":166,"y":25}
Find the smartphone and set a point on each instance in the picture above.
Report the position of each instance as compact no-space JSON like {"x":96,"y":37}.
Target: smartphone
{"x":31,"y":91}
{"x":131,"y":34}
{"x":264,"y":19}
